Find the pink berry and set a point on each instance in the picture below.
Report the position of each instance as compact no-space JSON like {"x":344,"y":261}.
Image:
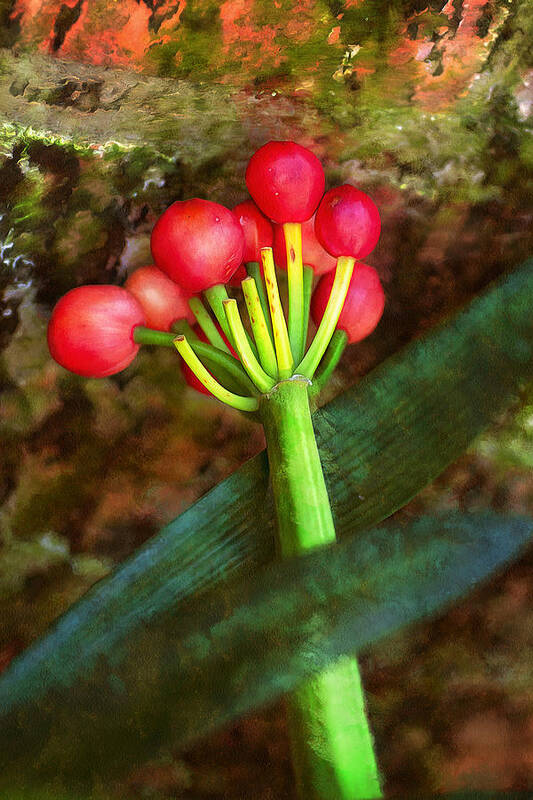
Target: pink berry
{"x":257,"y":230}
{"x":347,"y":222}
{"x":314,"y":254}
{"x":91,"y":330}
{"x":286,"y":181}
{"x":198,"y":244}
{"x":162,"y":300}
{"x":363,"y":306}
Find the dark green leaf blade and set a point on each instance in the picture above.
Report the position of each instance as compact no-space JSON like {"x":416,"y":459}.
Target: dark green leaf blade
{"x":380,"y":442}
{"x":245,"y":644}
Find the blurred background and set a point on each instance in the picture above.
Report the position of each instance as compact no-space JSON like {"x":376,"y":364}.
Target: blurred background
{"x":113,"y":109}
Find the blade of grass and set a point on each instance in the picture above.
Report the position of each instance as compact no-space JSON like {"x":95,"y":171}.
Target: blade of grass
{"x":243,"y":644}
{"x":381,"y":442}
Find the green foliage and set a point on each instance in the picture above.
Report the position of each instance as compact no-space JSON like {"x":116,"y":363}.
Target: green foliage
{"x":237,"y":647}
{"x":380,"y":443}
{"x":511,"y":446}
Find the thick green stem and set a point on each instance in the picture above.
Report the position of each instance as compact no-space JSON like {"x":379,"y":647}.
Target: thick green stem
{"x":302,"y":504}
{"x":332,"y":745}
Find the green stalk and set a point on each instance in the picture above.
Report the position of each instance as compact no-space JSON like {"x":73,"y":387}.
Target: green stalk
{"x":263,"y":340}
{"x":182,"y":326}
{"x":221,"y":364}
{"x":339,"y":290}
{"x":293,"y":243}
{"x":282,"y":344}
{"x":216,"y":296}
{"x":309,"y":274}
{"x":257,"y":374}
{"x":205,"y":322}
{"x":332,"y":745}
{"x":331,"y":358}
{"x":142,"y":335}
{"x":225,"y":368}
{"x":254,"y":271}
{"x":211,"y":384}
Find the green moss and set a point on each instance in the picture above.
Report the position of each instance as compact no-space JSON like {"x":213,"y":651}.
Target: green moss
{"x":510,"y":444}
{"x":78,"y":234}
{"x":196,"y":48}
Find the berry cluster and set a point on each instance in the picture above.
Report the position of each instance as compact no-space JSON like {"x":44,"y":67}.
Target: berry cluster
{"x":200,"y":247}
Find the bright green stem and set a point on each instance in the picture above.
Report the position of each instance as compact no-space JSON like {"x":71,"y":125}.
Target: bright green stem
{"x":250,"y":363}
{"x":211,"y":384}
{"x":279,"y":326}
{"x":332,"y":745}
{"x":182,"y":326}
{"x":225,"y":368}
{"x":221,"y":364}
{"x":205,"y":322}
{"x":263,"y":339}
{"x":293,"y":243}
{"x":309,"y":274}
{"x":254,"y":271}
{"x":332,"y":356}
{"x":302,"y":504}
{"x":142,"y":335}
{"x":331,"y":742}
{"x":215,"y":296}
{"x":339,"y":290}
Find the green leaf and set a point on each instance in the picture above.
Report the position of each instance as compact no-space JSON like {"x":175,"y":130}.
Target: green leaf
{"x":242,"y":645}
{"x":381,"y":442}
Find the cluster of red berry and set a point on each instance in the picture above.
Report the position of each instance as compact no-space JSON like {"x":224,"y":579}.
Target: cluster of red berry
{"x":200,"y":247}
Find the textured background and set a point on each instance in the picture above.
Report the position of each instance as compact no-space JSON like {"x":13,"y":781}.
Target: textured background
{"x":112,"y":109}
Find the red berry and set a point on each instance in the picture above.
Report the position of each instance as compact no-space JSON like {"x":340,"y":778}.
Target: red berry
{"x":363,"y":306}
{"x":91,"y":330}
{"x":198,"y":244}
{"x":238,"y":276}
{"x":286,"y":181}
{"x":256,"y":228}
{"x":313,"y":253}
{"x":162,"y":300}
{"x":347,"y":222}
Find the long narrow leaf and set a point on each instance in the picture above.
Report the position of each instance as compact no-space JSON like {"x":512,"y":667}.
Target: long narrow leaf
{"x":381,"y":442}
{"x":243,"y":645}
